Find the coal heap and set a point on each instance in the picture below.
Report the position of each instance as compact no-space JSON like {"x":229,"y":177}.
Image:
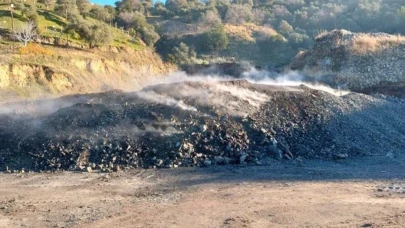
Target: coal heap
{"x":199,"y":123}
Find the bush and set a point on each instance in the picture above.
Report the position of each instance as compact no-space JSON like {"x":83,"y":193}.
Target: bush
{"x":34,"y":49}
{"x":216,"y":39}
{"x":182,"y":54}
{"x":98,"y":34}
{"x":149,"y":36}
{"x":31,"y":13}
{"x":19,"y":6}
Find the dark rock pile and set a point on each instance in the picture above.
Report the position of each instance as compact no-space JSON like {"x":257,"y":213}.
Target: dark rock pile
{"x":200,"y":124}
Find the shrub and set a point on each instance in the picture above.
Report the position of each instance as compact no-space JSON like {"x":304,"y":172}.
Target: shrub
{"x":149,"y":36}
{"x":19,"y":6}
{"x":216,"y":39}
{"x":182,"y":54}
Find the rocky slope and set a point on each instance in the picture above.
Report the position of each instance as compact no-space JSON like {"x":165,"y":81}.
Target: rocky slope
{"x":355,"y":61}
{"x":198,"y":122}
{"x":71,"y":71}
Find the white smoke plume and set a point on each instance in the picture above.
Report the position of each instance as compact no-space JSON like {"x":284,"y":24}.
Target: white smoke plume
{"x":291,"y":78}
{"x":287,"y":80}
{"x":254,"y":98}
{"x":162,"y":99}
{"x":214,"y":91}
{"x":209,"y":94}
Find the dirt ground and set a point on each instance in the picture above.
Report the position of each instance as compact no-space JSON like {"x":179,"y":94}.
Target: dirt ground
{"x":361,"y":192}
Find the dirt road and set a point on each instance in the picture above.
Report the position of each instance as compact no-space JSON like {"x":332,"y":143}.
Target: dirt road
{"x":363,"y":192}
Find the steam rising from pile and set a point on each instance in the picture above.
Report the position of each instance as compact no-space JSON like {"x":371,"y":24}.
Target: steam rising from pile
{"x":291,"y":78}
{"x":197,"y":120}
{"x":162,"y":99}
{"x":287,"y":80}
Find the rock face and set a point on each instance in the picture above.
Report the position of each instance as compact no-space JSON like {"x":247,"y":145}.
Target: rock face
{"x":354,"y":61}
{"x":71,"y":73}
{"x":197,"y":124}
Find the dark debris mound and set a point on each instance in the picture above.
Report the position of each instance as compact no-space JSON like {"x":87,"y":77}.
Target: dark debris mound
{"x":200,"y":123}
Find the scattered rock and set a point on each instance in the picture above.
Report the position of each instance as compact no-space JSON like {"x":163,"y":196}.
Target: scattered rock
{"x":340,"y":156}
{"x":207,"y":163}
{"x":243,"y":158}
{"x":159,"y":127}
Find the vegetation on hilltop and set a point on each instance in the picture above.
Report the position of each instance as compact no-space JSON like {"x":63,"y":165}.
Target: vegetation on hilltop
{"x":62,"y":23}
{"x":267,"y":32}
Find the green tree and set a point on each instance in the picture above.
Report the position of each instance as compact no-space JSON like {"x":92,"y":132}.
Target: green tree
{"x":31,"y":13}
{"x":160,"y":9}
{"x":147,"y":7}
{"x":19,"y":6}
{"x":285,"y":28}
{"x":66,"y":8}
{"x":221,"y":6}
{"x":138,"y":21}
{"x":93,"y":34}
{"x":130,"y":6}
{"x":111,"y":13}
{"x":100,"y":13}
{"x":84,"y":7}
{"x":244,"y":2}
{"x":48,"y":3}
{"x":216,"y":39}
{"x":149,"y":36}
{"x":99,"y":34}
{"x":176,"y":5}
{"x":182,"y":54}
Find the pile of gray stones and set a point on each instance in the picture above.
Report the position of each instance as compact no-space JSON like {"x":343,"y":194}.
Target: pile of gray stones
{"x":221,"y":123}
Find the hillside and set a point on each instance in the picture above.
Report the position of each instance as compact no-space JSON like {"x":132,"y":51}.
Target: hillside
{"x":56,"y":63}
{"x":356,"y":61}
{"x":51,"y":27}
{"x":94,"y":132}
{"x":69,"y":71}
{"x":248,"y":42}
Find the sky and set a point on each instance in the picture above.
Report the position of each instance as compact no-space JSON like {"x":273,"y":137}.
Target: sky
{"x":104,"y":2}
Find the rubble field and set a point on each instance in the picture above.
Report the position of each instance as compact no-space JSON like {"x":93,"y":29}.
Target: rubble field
{"x":197,"y":123}
{"x":396,"y":89}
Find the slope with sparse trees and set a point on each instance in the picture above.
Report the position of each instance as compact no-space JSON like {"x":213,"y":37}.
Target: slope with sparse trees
{"x":266,"y":32}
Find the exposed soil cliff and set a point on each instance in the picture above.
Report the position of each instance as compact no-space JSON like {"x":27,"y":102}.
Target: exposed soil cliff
{"x":69,"y":71}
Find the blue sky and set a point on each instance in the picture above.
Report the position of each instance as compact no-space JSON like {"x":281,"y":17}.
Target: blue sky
{"x":104,"y":2}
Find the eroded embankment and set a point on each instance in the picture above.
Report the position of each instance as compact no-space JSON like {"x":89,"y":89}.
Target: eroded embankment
{"x":69,"y":71}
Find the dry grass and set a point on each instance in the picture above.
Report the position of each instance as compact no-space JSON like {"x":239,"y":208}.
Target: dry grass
{"x":34,"y":49}
{"x":247,"y":31}
{"x":365,"y":43}
{"x":321,"y":34}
